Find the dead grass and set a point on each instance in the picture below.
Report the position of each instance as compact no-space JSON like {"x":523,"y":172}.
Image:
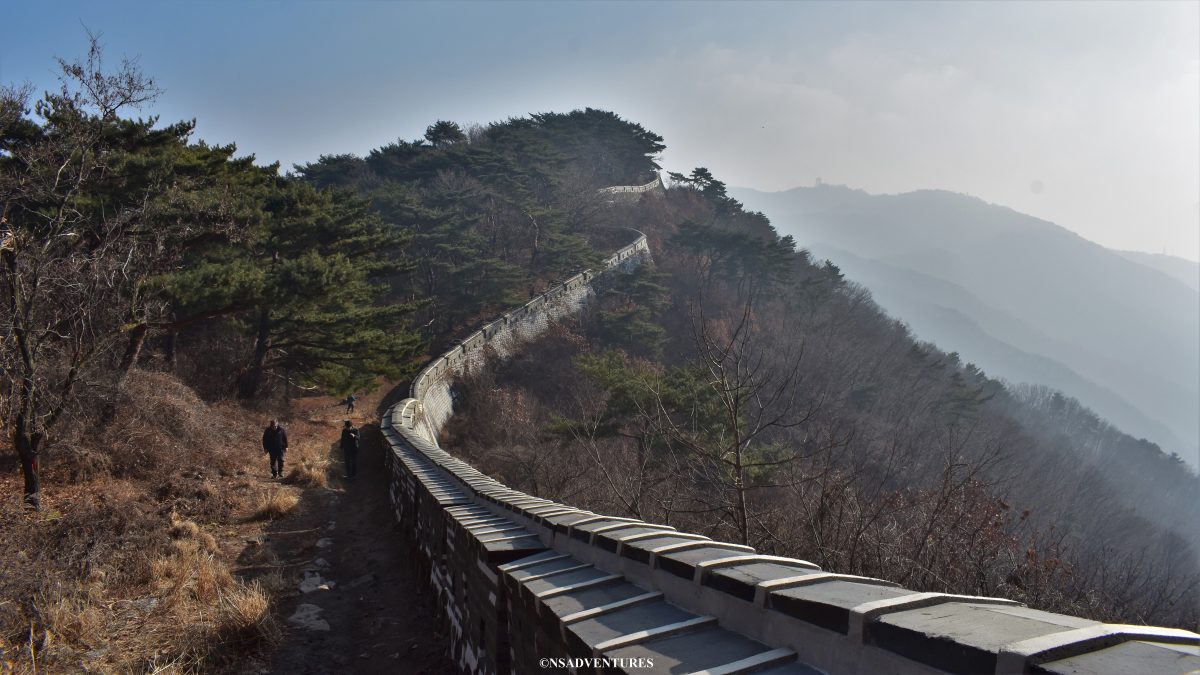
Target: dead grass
{"x":184,"y":529}
{"x":184,"y":617}
{"x":130,"y":567}
{"x":245,"y":615}
{"x":274,"y":582}
{"x":274,"y":503}
{"x":187,"y":530}
{"x":309,"y":472}
{"x":68,"y":619}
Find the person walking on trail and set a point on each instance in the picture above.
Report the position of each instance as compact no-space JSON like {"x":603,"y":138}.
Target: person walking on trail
{"x":350,"y":449}
{"x":348,"y":402}
{"x":275,"y":444}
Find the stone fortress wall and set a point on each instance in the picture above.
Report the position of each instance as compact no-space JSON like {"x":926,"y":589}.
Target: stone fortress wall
{"x":655,"y":184}
{"x":527,"y":585}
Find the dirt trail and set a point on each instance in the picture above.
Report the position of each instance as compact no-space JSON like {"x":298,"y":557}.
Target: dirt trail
{"x":359,"y":607}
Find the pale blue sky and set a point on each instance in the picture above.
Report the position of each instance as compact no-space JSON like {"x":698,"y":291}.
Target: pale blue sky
{"x":1098,"y":103}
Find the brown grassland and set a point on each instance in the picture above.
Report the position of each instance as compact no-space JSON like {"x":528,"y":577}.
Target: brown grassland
{"x":147,"y":555}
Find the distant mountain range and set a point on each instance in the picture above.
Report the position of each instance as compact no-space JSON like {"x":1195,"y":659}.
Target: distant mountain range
{"x":1022,"y":298}
{"x":1186,"y":271}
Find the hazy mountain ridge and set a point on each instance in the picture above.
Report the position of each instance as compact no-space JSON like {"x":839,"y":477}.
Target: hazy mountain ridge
{"x":1104,"y":319}
{"x":952,"y":318}
{"x":1180,"y":269}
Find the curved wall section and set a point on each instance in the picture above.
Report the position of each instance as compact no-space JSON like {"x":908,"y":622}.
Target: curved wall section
{"x":431,"y":387}
{"x":655,"y":184}
{"x":527,"y":585}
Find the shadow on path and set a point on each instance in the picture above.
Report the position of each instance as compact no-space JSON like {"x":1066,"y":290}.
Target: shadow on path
{"x":343,"y":544}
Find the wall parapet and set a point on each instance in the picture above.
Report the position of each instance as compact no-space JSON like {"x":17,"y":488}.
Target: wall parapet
{"x":655,"y":184}
{"x":521,"y":579}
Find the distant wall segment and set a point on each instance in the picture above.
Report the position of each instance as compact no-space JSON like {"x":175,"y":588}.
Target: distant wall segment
{"x":527,"y":585}
{"x":502,"y":337}
{"x":653,"y":185}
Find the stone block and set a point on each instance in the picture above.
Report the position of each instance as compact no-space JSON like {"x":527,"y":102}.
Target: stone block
{"x":828,"y":605}
{"x":586,"y":635}
{"x":562,"y":523}
{"x":1128,"y":657}
{"x":584,"y":530}
{"x":961,"y":637}
{"x":683,"y":563}
{"x":609,"y":540}
{"x":556,"y":584}
{"x":742,"y":581}
{"x":640,"y":550}
{"x":706,"y":648}
{"x":552,"y":566}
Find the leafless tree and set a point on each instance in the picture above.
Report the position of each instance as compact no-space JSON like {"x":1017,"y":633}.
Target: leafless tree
{"x":65,"y":270}
{"x":757,"y":388}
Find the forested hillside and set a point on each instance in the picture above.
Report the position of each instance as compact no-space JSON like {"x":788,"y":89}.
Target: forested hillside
{"x":740,"y":390}
{"x":495,"y":213}
{"x":158,"y":249}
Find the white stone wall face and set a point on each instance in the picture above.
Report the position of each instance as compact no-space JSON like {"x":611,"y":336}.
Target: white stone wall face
{"x":520,"y":579}
{"x":503,"y":337}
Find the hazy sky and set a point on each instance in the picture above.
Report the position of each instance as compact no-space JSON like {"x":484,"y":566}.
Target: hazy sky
{"x":1084,"y":114}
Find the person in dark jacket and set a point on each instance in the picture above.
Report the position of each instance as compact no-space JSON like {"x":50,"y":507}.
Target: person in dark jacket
{"x":275,"y":444}
{"x":350,"y":449}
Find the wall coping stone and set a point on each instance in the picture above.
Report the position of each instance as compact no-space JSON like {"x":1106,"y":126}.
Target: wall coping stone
{"x":646,"y":635}
{"x":751,"y":663}
{"x":550,"y":593}
{"x":610,"y":607}
{"x":1067,"y":643}
{"x":533,"y":561}
{"x":861,"y":614}
{"x":764,"y":588}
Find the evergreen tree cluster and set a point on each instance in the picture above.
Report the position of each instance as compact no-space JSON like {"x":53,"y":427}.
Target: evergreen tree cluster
{"x":496,"y":212}
{"x":125,"y":243}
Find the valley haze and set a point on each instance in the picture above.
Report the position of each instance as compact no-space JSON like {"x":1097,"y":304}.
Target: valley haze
{"x":1024,"y":299}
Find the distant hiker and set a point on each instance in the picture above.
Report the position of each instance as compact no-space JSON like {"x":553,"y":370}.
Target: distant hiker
{"x":275,"y":444}
{"x":350,"y":449}
{"x":348,"y":402}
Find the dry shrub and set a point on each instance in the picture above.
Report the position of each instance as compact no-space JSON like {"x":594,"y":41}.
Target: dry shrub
{"x":82,"y":463}
{"x":198,"y":499}
{"x":162,"y":427}
{"x":184,"y":529}
{"x":212,"y":578}
{"x":244,"y":615}
{"x":107,"y":527}
{"x":62,"y":568}
{"x":212,"y":610}
{"x":189,"y":530}
{"x":272,"y":504}
{"x":208,"y":542}
{"x":69,"y":619}
{"x":274,"y":582}
{"x":102,"y":580}
{"x":190,"y":574}
{"x":309,"y":472}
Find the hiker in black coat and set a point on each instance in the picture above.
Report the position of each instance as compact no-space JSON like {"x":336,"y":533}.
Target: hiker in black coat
{"x":275,"y":444}
{"x":350,"y":449}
